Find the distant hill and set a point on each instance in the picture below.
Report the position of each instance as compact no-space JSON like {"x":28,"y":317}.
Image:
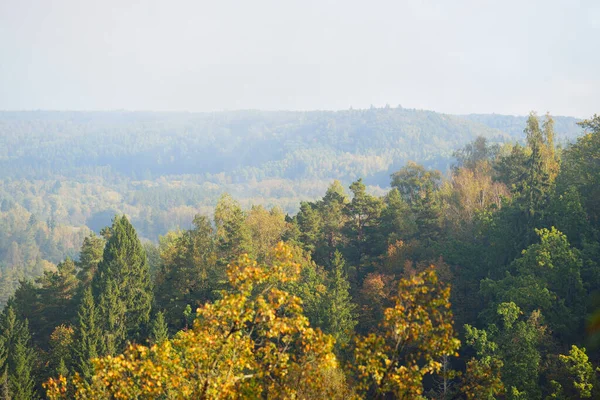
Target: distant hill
{"x":79,"y":168}
{"x":245,"y":145}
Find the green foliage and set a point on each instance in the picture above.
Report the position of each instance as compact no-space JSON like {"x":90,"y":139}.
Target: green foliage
{"x":477,"y":226}
{"x":20,"y":359}
{"x":159,"y":331}
{"x":122,"y":285}
{"x":581,"y":372}
{"x":88,"y":336}
{"x":513,"y":345}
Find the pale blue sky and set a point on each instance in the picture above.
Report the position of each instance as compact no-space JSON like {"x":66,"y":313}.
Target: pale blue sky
{"x":453,"y":56}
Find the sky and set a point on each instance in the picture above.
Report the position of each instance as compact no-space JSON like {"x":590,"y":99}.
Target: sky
{"x":452,"y":56}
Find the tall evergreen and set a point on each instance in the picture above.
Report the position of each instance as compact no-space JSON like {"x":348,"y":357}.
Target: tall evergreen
{"x":340,"y":316}
{"x":159,"y":332}
{"x":87,"y":335}
{"x":20,"y":357}
{"x":122,"y":285}
{"x":90,"y":256}
{"x":363,"y":212}
{"x":233,"y":235}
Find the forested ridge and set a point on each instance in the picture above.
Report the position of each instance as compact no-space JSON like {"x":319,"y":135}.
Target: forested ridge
{"x":481,"y":282}
{"x":64,"y":174}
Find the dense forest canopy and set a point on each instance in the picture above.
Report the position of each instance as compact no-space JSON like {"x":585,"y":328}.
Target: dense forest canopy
{"x":479,"y":281}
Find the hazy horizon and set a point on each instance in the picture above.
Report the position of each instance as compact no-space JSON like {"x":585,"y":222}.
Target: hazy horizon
{"x":464,"y":57}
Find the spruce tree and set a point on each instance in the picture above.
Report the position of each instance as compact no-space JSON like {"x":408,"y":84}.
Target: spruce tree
{"x":20,"y":357}
{"x":87,"y":335}
{"x":122,"y":285}
{"x":112,"y":317}
{"x":340,"y":317}
{"x":159,"y":332}
{"x":21,"y":381}
{"x":233,"y":235}
{"x":89,"y":258}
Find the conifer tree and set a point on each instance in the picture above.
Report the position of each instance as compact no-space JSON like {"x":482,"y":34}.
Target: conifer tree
{"x":159,"y":332}
{"x":21,"y":379}
{"x":333,"y":217}
{"x":89,"y":258}
{"x":112,"y":317}
{"x":122,"y":285}
{"x":233,"y":235}
{"x":341,"y":320}
{"x":87,"y":335}
{"x":20,"y":357}
{"x":363,"y":212}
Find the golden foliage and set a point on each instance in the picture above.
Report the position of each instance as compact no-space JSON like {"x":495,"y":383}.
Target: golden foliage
{"x":417,"y":332}
{"x":254,"y":342}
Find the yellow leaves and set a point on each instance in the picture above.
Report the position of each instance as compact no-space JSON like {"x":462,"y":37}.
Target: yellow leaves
{"x":254,"y":341}
{"x":419,"y":321}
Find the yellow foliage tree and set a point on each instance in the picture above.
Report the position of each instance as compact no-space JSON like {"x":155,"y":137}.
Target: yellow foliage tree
{"x":417,"y":333}
{"x":254,"y":342}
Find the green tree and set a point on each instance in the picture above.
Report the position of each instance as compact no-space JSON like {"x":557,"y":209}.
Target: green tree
{"x":190,"y":274}
{"x":88,"y":336}
{"x":90,"y":256}
{"x":513,"y":344}
{"x":233,"y":235}
{"x":333,"y":219}
{"x":363,"y":213}
{"x":21,"y":359}
{"x":340,"y":312}
{"x":122,"y":283}
{"x":159,"y":332}
{"x":581,"y":372}
{"x":547,"y":276}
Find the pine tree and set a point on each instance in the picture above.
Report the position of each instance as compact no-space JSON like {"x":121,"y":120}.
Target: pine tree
{"x":233,"y":235}
{"x":363,"y":212}
{"x":19,"y":364}
{"x":58,"y":294}
{"x":89,"y":258}
{"x":340,"y":317}
{"x":87,"y":335}
{"x":122,"y":285}
{"x":112,"y":311}
{"x":159,"y":332}
{"x":333,"y":220}
{"x":21,"y":380}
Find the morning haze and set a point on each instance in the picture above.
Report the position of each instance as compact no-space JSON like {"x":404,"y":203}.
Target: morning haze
{"x":507,"y":57}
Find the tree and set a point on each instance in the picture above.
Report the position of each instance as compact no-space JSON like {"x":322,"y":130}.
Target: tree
{"x":20,"y":360}
{"x":417,"y":332}
{"x":122,"y":283}
{"x":340,"y":316}
{"x":89,"y":257}
{"x":579,"y":378}
{"x":476,"y":153}
{"x":363,"y":213}
{"x":542,"y":165}
{"x":61,"y":346}
{"x":413,"y":182}
{"x":88,"y":336}
{"x":511,"y":344}
{"x":333,"y":218}
{"x":266,"y":229}
{"x":233,"y":235}
{"x":548,"y":277}
{"x":254,"y":342}
{"x":159,"y":332}
{"x":580,"y":169}
{"x":190,"y":274}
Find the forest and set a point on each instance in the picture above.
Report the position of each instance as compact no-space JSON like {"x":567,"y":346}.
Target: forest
{"x":481,"y":282}
{"x":65,"y":174}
